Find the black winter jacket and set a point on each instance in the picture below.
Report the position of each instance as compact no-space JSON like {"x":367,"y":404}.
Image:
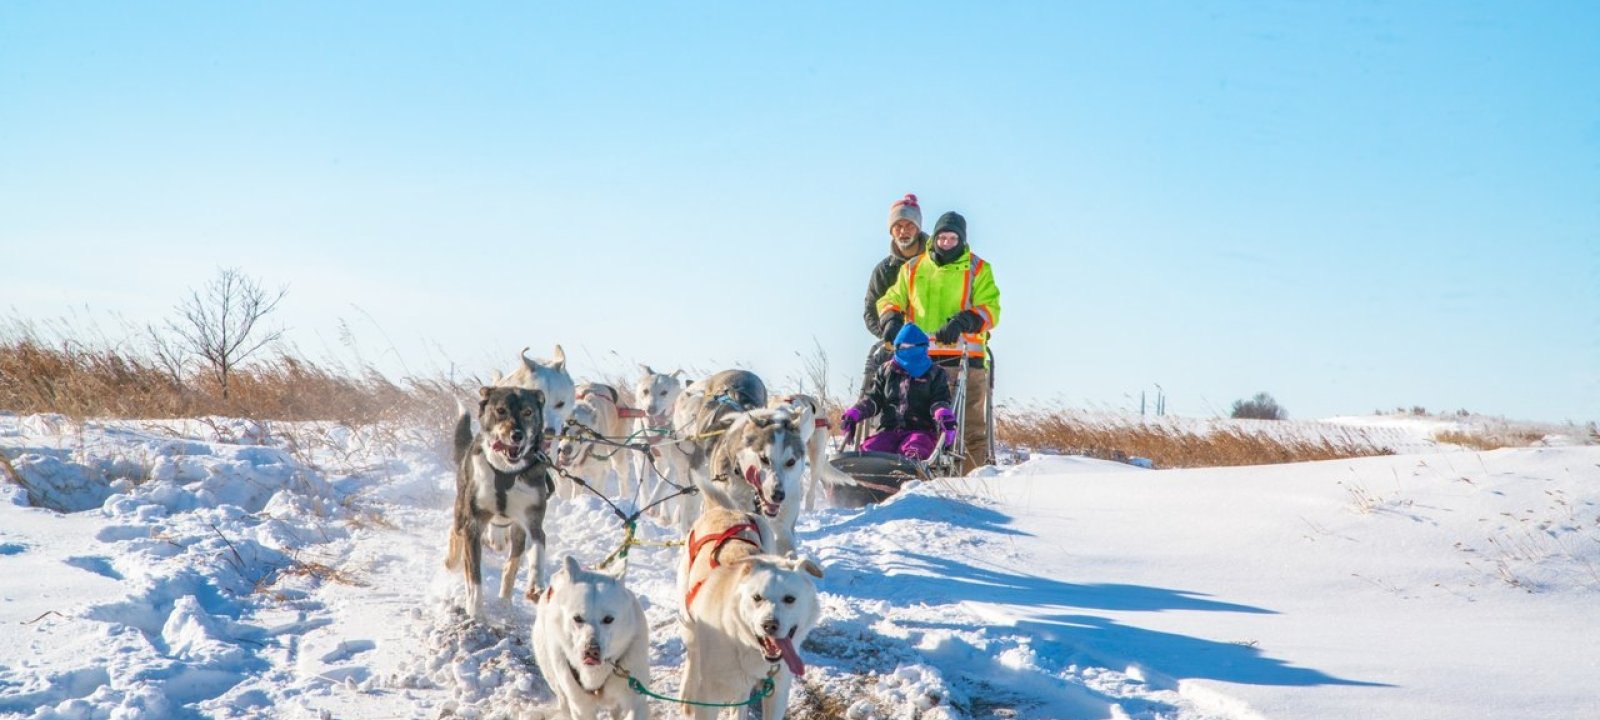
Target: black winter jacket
{"x":883,"y":277}
{"x":905,"y":402}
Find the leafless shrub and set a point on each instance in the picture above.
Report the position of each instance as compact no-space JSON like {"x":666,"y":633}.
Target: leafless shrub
{"x":218,"y":323}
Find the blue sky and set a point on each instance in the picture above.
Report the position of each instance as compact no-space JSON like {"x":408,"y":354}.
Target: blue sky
{"x":1349,"y":205}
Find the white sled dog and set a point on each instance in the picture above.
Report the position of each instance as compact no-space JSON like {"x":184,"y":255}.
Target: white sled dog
{"x":757,"y":466}
{"x":746,"y":612}
{"x":598,"y":408}
{"x":654,"y":396}
{"x":589,"y":634}
{"x":703,"y":411}
{"x":502,"y":483}
{"x":549,"y":377}
{"x":814,"y":427}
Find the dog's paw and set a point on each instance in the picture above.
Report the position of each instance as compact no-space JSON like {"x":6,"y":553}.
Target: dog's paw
{"x":532,"y":594}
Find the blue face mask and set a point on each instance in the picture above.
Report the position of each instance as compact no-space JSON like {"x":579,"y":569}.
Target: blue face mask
{"x":913,"y":359}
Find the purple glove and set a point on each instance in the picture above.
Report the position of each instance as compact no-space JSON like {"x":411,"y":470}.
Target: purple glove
{"x":848,"y":420}
{"x":947,"y":422}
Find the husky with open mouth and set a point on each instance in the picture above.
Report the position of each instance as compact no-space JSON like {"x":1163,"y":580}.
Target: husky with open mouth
{"x":758,"y":466}
{"x":745,"y":614}
{"x":502,"y":482}
{"x":700,"y":417}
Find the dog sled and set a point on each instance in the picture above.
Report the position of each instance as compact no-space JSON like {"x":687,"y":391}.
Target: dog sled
{"x":877,"y":476}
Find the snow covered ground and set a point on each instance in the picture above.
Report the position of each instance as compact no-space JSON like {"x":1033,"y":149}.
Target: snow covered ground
{"x":222,"y":568}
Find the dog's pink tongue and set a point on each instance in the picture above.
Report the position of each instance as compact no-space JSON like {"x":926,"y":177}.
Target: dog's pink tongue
{"x":797,"y":667}
{"x":752,"y":476}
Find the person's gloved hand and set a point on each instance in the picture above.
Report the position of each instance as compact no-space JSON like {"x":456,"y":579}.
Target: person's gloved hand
{"x":848,"y":421}
{"x":965,"y":321}
{"x":947,"y":423}
{"x":890,"y":325}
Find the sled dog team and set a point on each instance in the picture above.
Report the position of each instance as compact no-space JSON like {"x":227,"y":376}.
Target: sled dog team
{"x":746,"y":600}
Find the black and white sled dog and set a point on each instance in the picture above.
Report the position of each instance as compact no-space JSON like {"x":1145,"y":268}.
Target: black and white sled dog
{"x":589,"y":635}
{"x":703,"y":411}
{"x":502,"y":482}
{"x":757,"y":465}
{"x":745,"y":613}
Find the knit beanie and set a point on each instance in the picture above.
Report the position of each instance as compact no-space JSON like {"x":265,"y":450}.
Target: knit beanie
{"x":906,"y":208}
{"x":949,"y":222}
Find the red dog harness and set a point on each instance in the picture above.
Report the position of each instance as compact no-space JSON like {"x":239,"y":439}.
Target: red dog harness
{"x":717,"y":542}
{"x":623,"y":411}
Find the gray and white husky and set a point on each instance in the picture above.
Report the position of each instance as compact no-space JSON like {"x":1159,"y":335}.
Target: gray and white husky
{"x":757,"y":466}
{"x":703,"y":411}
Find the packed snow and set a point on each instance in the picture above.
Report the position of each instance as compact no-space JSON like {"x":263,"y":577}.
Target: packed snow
{"x":226,"y":568}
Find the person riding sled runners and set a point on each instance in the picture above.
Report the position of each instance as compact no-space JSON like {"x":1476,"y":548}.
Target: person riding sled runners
{"x":906,"y":241}
{"x":950,"y":287}
{"x":910,"y":396}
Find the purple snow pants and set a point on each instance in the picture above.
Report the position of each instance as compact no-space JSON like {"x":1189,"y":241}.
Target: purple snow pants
{"x":910,"y":443}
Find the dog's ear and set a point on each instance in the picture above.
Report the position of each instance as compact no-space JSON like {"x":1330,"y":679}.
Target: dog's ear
{"x":618,"y":572}
{"x":808,"y":566}
{"x":538,"y":396}
{"x":561,"y":359}
{"x":646,"y":368}
{"x":569,"y":565}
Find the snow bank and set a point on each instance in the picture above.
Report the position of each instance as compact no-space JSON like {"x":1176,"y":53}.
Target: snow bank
{"x":216,"y":568}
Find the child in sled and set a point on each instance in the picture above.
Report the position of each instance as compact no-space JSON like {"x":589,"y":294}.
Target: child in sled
{"x":911,"y":398}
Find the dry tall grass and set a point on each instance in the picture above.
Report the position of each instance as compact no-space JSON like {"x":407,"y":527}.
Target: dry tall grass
{"x":44,"y":372}
{"x":1167,"y":446}
{"x":1489,"y":440}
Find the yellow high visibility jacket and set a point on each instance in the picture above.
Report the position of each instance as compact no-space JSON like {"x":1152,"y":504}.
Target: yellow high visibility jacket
{"x":929,"y":294}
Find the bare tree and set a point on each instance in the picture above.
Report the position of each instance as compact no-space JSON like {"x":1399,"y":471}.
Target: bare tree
{"x":218,"y":322}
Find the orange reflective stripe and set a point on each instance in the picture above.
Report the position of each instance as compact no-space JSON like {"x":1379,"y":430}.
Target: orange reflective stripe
{"x":966,"y":286}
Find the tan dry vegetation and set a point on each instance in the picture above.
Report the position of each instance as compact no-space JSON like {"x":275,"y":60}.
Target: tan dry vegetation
{"x":1489,"y":440}
{"x":1228,"y":445}
{"x":42,"y":374}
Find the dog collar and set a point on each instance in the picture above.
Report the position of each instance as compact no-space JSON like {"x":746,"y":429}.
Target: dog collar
{"x":596,"y":691}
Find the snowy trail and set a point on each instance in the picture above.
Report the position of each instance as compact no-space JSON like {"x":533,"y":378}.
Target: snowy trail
{"x":220,"y":568}
{"x":217,"y":568}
